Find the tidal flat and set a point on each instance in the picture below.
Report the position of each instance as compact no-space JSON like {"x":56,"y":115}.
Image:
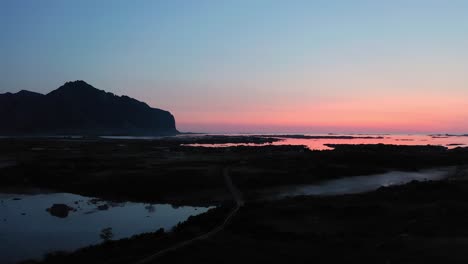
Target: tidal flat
{"x":425,"y":214}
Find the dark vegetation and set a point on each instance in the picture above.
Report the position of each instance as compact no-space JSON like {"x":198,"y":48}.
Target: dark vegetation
{"x":163,"y":171}
{"x":421,"y":222}
{"x":297,"y":165}
{"x":134,"y":170}
{"x":415,"y":223}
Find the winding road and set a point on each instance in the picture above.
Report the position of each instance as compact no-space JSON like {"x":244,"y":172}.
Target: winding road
{"x":237,"y":196}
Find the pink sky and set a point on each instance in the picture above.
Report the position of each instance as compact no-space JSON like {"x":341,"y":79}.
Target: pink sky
{"x":403,"y":105}
{"x":249,"y":66}
{"x":382,"y":114}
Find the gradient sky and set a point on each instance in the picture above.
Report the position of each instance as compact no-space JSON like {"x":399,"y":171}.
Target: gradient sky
{"x":253,"y":65}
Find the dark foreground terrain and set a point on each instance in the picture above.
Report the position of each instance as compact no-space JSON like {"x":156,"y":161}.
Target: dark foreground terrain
{"x":422,"y":222}
{"x":415,"y":223}
{"x":164,"y":170}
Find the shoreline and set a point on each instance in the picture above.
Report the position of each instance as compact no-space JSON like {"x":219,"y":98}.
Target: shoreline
{"x":162,"y":171}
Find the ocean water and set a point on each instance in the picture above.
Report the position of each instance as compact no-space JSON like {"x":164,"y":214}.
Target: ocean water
{"x":449,"y":141}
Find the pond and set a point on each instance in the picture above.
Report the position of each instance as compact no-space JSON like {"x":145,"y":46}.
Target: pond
{"x":33,"y":225}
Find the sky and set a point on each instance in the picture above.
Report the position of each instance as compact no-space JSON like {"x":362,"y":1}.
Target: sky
{"x":300,"y":66}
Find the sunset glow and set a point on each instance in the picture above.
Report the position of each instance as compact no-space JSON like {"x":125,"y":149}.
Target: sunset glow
{"x":254,"y":66}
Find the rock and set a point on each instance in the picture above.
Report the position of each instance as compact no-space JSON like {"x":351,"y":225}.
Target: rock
{"x":60,"y":210}
{"x":103,"y":207}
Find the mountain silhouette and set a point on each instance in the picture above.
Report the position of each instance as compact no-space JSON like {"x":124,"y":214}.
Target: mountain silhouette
{"x":80,"y":109}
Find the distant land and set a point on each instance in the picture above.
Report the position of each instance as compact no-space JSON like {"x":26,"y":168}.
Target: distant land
{"x":77,"y":108}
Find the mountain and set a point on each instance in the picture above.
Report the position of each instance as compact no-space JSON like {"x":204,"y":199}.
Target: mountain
{"x":80,"y":109}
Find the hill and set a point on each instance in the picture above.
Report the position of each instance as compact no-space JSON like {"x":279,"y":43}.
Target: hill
{"x":80,"y":109}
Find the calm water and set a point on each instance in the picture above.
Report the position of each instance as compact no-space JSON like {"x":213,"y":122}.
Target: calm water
{"x":4,"y":164}
{"x":360,"y":184}
{"x":320,"y":144}
{"x":27,"y":230}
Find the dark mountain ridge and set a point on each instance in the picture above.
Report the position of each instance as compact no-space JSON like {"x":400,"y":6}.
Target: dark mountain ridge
{"x":80,"y":109}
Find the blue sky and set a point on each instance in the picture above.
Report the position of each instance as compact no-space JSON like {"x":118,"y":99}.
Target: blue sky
{"x":252,"y":65}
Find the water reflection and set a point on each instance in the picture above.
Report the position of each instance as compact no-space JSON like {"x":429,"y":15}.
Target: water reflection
{"x":32,"y":225}
{"x":361,"y":184}
{"x":320,"y":143}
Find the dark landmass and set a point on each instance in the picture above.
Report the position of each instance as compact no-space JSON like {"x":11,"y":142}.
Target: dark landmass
{"x":325,"y":137}
{"x":416,"y":223}
{"x":77,"y":108}
{"x":448,"y":135}
{"x":60,"y":210}
{"x":386,"y":148}
{"x":220,"y":139}
{"x":163,"y":171}
{"x":421,"y":222}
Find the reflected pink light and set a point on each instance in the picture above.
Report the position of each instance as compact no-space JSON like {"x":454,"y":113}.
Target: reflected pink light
{"x":320,"y":144}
